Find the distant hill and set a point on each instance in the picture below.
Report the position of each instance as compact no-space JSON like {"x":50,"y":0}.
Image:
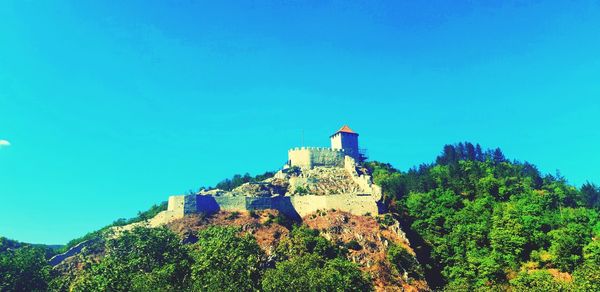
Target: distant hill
{"x":9,"y":244}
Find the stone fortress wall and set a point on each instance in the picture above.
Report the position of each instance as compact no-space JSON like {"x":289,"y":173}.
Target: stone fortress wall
{"x":293,"y":206}
{"x":307,"y":157}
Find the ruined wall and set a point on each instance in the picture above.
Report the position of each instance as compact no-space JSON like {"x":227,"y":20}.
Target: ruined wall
{"x":294,"y":206}
{"x":364,"y":181}
{"x":307,"y":157}
{"x":182,"y":205}
{"x":355,"y":204}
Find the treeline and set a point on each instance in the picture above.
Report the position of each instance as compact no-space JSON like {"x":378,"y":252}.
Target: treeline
{"x":23,"y":267}
{"x":141,"y":216}
{"x":238,"y":180}
{"x":155,"y":259}
{"x":480,"y":221}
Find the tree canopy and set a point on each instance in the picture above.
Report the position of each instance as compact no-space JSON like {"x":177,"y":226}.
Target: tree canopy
{"x":482,"y":221}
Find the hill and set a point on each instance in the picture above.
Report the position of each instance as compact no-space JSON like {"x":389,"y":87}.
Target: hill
{"x":472,"y":220}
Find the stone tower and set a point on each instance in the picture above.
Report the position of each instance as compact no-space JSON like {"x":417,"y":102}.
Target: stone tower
{"x":347,"y":140}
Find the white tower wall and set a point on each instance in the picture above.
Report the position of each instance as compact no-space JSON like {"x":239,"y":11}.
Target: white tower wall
{"x":346,"y":141}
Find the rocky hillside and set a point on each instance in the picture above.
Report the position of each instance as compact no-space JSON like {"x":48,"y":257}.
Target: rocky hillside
{"x":318,"y":181}
{"x":370,"y":242}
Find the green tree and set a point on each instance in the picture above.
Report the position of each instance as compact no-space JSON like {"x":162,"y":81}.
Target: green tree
{"x":404,"y":262}
{"x":311,"y":272}
{"x":567,"y":244}
{"x":136,"y":259}
{"x":225,"y":261}
{"x":537,"y":281}
{"x":303,"y":240}
{"x":24,"y":269}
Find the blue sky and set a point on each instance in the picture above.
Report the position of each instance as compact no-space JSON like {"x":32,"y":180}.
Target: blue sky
{"x":111,"y":107}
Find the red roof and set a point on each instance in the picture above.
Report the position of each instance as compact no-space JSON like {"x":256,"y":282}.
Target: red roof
{"x":345,"y":129}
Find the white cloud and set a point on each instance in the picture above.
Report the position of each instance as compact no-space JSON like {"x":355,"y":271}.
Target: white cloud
{"x":4,"y":143}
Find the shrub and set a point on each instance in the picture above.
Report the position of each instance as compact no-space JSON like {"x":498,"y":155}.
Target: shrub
{"x":233,"y":215}
{"x":303,"y":240}
{"x":386,"y":220}
{"x":353,"y":245}
{"x":403,"y":261}
{"x":301,"y":190}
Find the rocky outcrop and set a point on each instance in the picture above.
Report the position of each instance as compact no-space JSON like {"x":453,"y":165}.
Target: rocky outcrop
{"x":366,"y":238}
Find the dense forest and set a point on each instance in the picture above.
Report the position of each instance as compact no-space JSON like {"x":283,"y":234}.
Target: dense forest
{"x":477,"y":220}
{"x":480,"y":221}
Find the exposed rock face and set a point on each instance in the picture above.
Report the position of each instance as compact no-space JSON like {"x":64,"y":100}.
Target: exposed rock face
{"x":340,"y":228}
{"x":322,"y":181}
{"x":370,"y":243}
{"x":267,"y":188}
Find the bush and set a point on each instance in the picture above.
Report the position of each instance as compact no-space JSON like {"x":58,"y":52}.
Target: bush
{"x":403,"y":261}
{"x":386,"y":220}
{"x":280,"y":219}
{"x":238,"y":180}
{"x":353,"y":245}
{"x":303,"y":240}
{"x":301,"y":190}
{"x":233,"y":215}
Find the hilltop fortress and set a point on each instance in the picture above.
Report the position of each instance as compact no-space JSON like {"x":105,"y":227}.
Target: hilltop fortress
{"x":314,"y":178}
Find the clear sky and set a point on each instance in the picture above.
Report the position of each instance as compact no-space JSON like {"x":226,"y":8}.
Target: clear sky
{"x":112,"y":106}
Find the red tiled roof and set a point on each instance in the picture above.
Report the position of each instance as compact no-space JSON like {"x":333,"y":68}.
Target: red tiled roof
{"x":345,"y":129}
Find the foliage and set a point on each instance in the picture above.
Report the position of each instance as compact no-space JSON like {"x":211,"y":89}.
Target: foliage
{"x":280,"y":219}
{"x":385,"y":220}
{"x":311,"y":272}
{"x":224,"y":261}
{"x":155,"y":259}
{"x":301,"y":190}
{"x":353,"y":245}
{"x":303,"y":240}
{"x":538,"y":280}
{"x":137,"y":260}
{"x":24,"y":269}
{"x":9,"y":244}
{"x":233,"y":215}
{"x":476,"y":218}
{"x":404,"y":262}
{"x":142,"y":216}
{"x":238,"y":180}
